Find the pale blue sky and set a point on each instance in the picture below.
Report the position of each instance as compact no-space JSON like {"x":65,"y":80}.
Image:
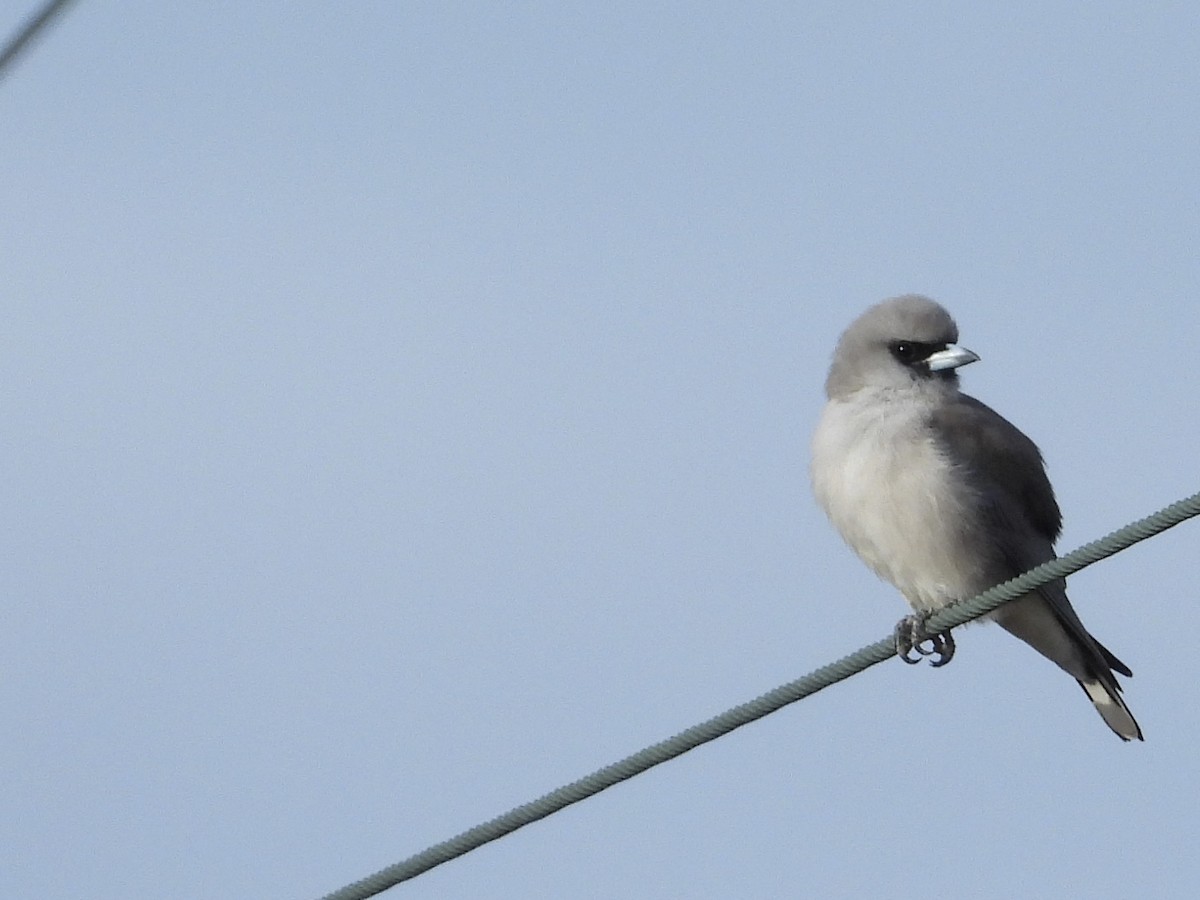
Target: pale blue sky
{"x":408,"y":411}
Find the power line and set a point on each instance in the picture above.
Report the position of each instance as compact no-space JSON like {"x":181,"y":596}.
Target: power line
{"x":29,"y":31}
{"x":768,"y":703}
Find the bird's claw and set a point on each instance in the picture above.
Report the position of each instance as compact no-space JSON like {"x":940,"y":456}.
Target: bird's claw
{"x":911,"y":635}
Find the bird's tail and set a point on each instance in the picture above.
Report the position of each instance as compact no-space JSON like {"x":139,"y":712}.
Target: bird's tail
{"x":1112,"y":709}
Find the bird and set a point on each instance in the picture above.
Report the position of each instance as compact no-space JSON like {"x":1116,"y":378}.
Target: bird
{"x":943,"y":497}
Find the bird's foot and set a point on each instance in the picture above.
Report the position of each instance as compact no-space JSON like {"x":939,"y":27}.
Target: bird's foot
{"x":911,"y":635}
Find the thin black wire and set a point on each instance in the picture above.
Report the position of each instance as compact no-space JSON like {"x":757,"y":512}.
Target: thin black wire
{"x":29,"y":31}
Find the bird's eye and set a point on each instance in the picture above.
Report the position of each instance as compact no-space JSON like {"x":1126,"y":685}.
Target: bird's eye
{"x":913,"y":353}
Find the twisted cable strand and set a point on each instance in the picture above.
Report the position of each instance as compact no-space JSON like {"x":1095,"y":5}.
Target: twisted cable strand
{"x":764,"y":705}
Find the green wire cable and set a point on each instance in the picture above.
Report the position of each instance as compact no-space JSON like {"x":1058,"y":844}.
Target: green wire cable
{"x":764,"y":705}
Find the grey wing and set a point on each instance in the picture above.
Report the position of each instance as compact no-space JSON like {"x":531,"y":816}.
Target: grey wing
{"x":1003,"y":461}
{"x":1020,"y":512}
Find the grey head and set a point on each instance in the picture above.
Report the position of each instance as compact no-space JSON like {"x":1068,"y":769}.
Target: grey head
{"x":903,"y":342}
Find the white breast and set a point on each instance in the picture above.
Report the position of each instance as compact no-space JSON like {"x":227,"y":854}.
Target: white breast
{"x":893,"y":496}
